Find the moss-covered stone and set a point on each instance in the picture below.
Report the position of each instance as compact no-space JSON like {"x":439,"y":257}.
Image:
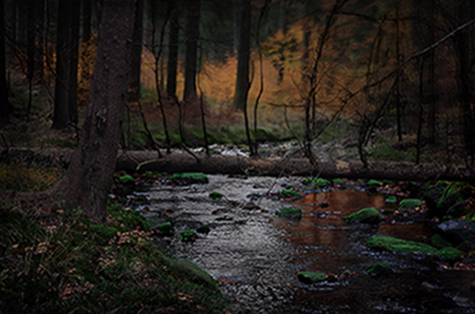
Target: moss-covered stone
{"x":439,"y":241}
{"x":366,"y":215}
{"x":374,"y":182}
{"x":215,"y":195}
{"x":391,"y":199}
{"x":338,"y":181}
{"x":410,"y":203}
{"x":320,"y":182}
{"x":193,"y":272}
{"x":166,"y":229}
{"x":290,"y":212}
{"x":203,"y":229}
{"x":290,"y":193}
{"x":188,"y":178}
{"x":399,"y":245}
{"x":126,"y":179}
{"x":187,"y":236}
{"x":448,"y":254}
{"x":378,"y":269}
{"x":310,"y":277}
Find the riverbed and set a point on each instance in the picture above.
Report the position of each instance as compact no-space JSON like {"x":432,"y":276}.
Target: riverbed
{"x":255,"y":256}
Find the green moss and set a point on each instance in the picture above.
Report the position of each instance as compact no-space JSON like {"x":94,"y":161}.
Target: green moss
{"x":365,"y":215}
{"x":289,"y":212}
{"x":166,"y":229}
{"x":215,"y":195}
{"x":193,"y":272}
{"x":410,"y":203}
{"x":189,"y":178}
{"x":187,"y":236}
{"x":449,"y":253}
{"x":439,"y":241}
{"x":338,"y":181}
{"x":310,"y":277}
{"x":399,"y":245}
{"x":126,"y":179}
{"x":391,"y":199}
{"x":378,"y":269}
{"x":287,"y":193}
{"x":319,"y":182}
{"x":104,"y":233}
{"x":374,"y":182}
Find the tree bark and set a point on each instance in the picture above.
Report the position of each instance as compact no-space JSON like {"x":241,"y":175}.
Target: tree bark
{"x":191,"y":53}
{"x":242,"y":77}
{"x":136,"y":59}
{"x":216,"y":164}
{"x":172,"y":66}
{"x":5,"y":108}
{"x":61,"y":116}
{"x":74,"y":58}
{"x":89,"y":176}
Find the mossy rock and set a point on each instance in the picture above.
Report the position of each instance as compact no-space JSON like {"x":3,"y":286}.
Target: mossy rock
{"x":192,"y":272}
{"x":187,"y":236}
{"x":443,"y":196}
{"x":439,"y":241}
{"x":449,"y":254}
{"x":399,"y":245}
{"x":338,"y":181}
{"x":378,"y":269}
{"x":310,"y":277}
{"x":203,"y":229}
{"x":320,"y":182}
{"x":127,"y":220}
{"x":374,"y":182}
{"x":289,"y":193}
{"x":215,"y":195}
{"x":166,"y":229}
{"x":410,"y":203}
{"x":391,"y":199}
{"x":188,"y":178}
{"x":290,"y":212}
{"x":306,"y":181}
{"x":126,"y":179}
{"x":368,"y":215}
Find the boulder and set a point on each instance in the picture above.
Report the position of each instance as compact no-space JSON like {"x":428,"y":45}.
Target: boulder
{"x":399,"y":245}
{"x":457,"y":231}
{"x":378,"y":269}
{"x":309,"y":277}
{"x":290,"y":212}
{"x":367,"y":215}
{"x":448,"y":254}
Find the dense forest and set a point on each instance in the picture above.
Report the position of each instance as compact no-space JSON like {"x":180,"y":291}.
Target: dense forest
{"x":398,"y":72}
{"x":352,"y":89}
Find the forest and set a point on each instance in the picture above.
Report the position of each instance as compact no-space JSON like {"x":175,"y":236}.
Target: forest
{"x":95,"y":94}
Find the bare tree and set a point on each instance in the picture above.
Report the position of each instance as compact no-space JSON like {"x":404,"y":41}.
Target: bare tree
{"x":89,"y":176}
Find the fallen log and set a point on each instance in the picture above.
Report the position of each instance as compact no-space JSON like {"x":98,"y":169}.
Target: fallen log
{"x":216,"y":164}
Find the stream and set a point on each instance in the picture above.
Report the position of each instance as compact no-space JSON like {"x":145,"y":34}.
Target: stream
{"x":255,"y":255}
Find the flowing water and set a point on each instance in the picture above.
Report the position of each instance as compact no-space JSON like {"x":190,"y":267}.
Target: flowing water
{"x":255,"y":255}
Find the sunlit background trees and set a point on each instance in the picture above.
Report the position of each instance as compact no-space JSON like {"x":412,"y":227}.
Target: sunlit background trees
{"x":384,"y":77}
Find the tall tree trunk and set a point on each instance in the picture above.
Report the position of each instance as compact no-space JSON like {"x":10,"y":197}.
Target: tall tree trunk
{"x":134,"y":88}
{"x":89,"y":176}
{"x":191,"y":54}
{"x":40,"y":39}
{"x":242,"y":77}
{"x":5,"y":108}
{"x":30,"y":50}
{"x":62,"y":115}
{"x":74,"y":56}
{"x":465,"y":82}
{"x":86,"y":50}
{"x":172,"y":67}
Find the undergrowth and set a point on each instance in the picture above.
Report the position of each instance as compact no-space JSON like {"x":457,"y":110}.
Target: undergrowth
{"x":66,"y":264}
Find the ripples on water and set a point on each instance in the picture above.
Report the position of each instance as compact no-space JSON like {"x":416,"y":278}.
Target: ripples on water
{"x":257,"y":255}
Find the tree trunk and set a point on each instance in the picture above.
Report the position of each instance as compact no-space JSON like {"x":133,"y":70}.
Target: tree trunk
{"x":5,"y":108}
{"x":174,"y":32}
{"x":191,"y":53}
{"x":40,"y":39}
{"x":136,"y":59}
{"x":73,"y":66}
{"x":89,"y":176}
{"x":62,"y":114}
